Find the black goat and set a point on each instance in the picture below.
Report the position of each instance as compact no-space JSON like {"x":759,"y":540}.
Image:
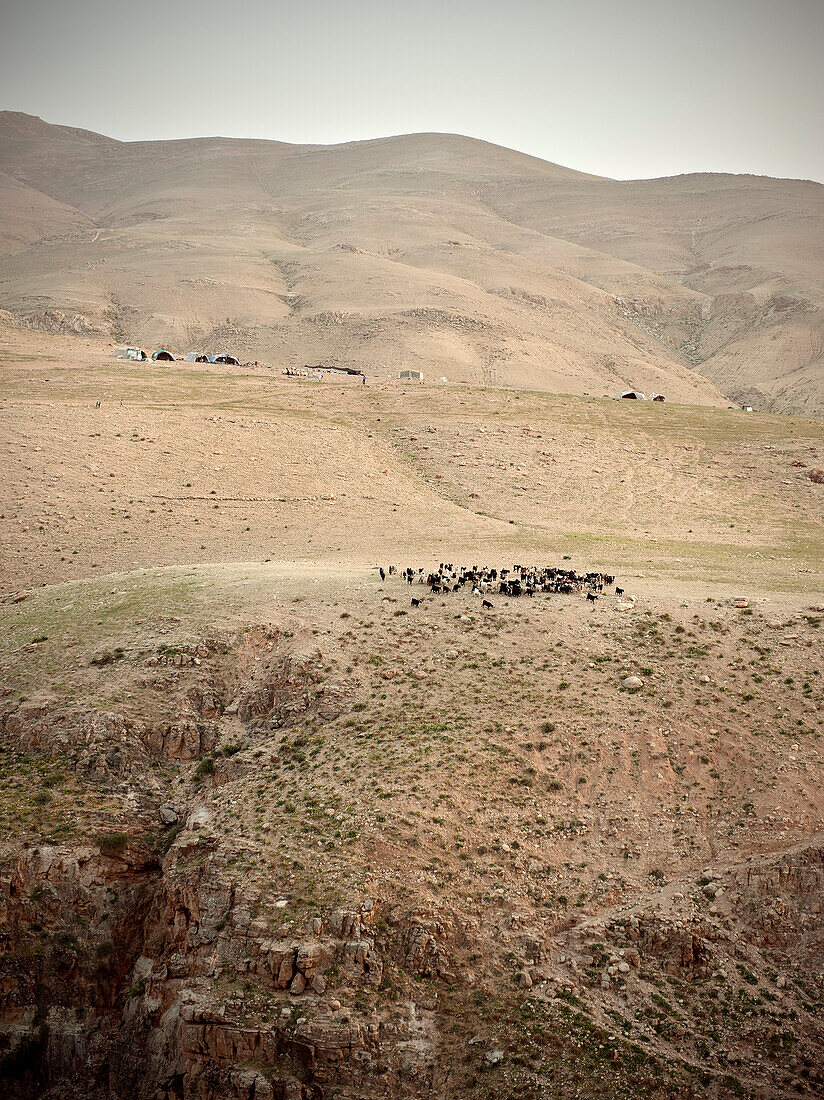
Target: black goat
{"x":487,"y":603}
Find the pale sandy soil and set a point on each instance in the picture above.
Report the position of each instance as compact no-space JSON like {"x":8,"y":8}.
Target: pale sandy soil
{"x":186,"y":465}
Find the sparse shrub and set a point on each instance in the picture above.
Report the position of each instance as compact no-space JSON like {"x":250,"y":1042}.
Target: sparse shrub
{"x":204,"y":768}
{"x":108,"y":657}
{"x":111,"y":844}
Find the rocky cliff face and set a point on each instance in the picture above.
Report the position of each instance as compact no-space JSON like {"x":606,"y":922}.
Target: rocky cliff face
{"x":139,"y":966}
{"x":170,"y":940}
{"x":151,"y":977}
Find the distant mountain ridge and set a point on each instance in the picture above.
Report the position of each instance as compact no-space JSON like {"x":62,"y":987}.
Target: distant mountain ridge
{"x":428,"y":251}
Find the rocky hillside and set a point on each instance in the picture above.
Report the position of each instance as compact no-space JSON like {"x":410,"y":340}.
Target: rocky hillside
{"x":427,"y":251}
{"x":366,"y":850}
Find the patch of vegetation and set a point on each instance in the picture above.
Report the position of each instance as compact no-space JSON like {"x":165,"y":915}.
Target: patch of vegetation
{"x":108,"y":657}
{"x":112,"y":844}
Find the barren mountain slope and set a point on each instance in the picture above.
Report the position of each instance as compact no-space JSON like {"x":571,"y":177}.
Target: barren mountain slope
{"x":430,"y":251}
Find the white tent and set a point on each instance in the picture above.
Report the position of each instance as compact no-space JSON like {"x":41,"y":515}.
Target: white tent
{"x":411,"y":376}
{"x":632,"y":395}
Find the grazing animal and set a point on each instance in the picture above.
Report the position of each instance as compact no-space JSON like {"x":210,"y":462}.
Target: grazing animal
{"x":520,"y":580}
{"x":383,"y":575}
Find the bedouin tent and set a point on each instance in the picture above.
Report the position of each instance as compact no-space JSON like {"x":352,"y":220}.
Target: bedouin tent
{"x":411,"y":376}
{"x":632,"y":395}
{"x":228,"y":359}
{"x":164,"y":356}
{"x":196,"y":357}
{"x":657,"y":397}
{"x":131,"y":353}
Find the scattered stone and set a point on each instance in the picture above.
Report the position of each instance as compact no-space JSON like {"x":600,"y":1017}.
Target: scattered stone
{"x":493,"y":1058}
{"x":524,"y":979}
{"x":633,"y":682}
{"x":168,"y":815}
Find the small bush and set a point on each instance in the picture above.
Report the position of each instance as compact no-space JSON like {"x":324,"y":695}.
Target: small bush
{"x":108,"y":658}
{"x":205,"y":767}
{"x":110,"y":844}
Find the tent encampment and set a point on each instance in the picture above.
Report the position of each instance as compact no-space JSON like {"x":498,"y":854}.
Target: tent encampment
{"x":196,"y":357}
{"x":131,"y":353}
{"x":632,"y":395}
{"x":163,"y":356}
{"x":229,"y":360}
{"x":411,"y":376}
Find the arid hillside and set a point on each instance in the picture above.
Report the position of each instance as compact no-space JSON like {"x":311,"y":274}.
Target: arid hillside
{"x":191,"y":463}
{"x":279,"y":827}
{"x":428,"y":251}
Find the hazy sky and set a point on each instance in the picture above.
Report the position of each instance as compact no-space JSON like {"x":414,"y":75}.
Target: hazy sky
{"x":624,"y":88}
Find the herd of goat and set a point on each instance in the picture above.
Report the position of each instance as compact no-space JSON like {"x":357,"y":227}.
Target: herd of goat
{"x":521,"y":580}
